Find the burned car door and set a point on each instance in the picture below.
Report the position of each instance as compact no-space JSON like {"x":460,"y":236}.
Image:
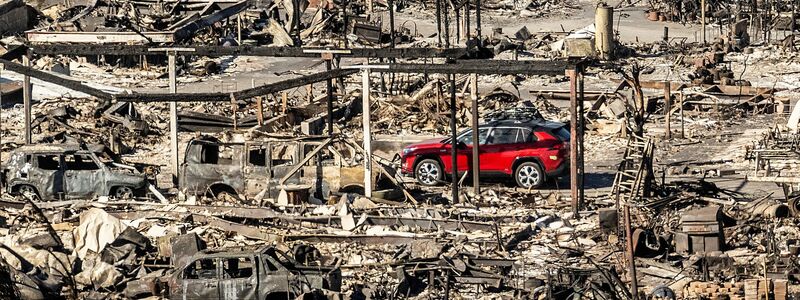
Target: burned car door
{"x":83,"y":176}
{"x":199,"y":281}
{"x":46,"y":174}
{"x":239,"y":278}
{"x":257,"y":169}
{"x":208,"y":163}
{"x":283,"y":157}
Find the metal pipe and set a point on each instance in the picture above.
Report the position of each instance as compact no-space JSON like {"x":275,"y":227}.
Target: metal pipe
{"x":365,"y":112}
{"x":478,"y":18}
{"x":391,"y":22}
{"x":173,"y":117}
{"x":476,"y":160}
{"x":581,"y":126}
{"x":453,"y":141}
{"x":329,"y":87}
{"x":439,"y":21}
{"x":26,"y":98}
{"x":629,"y":252}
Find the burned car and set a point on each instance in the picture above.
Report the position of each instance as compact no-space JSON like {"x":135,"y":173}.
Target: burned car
{"x":247,"y":169}
{"x":69,"y":171}
{"x":247,"y":273}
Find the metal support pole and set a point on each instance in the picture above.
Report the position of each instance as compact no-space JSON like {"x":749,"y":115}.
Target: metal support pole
{"x":446,"y":27}
{"x":439,"y":21}
{"x":26,"y":98}
{"x":703,"y":18}
{"x":667,"y":108}
{"x":239,"y":29}
{"x":391,"y":22}
{"x":629,"y":252}
{"x":365,"y":113}
{"x":453,"y":142}
{"x":329,"y":87}
{"x":683,"y":132}
{"x":478,"y":18}
{"x":173,"y":118}
{"x":573,"y":141}
{"x":581,"y":126}
{"x":476,"y":160}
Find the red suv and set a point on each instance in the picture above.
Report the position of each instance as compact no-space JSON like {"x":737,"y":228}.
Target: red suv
{"x":530,"y":150}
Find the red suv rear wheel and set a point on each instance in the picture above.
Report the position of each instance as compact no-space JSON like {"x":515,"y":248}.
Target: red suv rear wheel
{"x":529,"y":175}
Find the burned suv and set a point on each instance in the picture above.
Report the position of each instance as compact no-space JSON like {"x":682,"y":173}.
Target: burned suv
{"x":262,"y":273}
{"x":68,"y":171}
{"x":517,"y":144}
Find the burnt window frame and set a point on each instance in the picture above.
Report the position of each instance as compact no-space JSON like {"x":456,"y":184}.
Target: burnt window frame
{"x":217,"y":269}
{"x":224,"y":263}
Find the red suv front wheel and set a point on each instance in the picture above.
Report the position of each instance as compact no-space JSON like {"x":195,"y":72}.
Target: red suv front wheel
{"x":429,"y":172}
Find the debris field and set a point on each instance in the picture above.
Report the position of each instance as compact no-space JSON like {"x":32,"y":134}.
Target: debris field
{"x":433,"y":149}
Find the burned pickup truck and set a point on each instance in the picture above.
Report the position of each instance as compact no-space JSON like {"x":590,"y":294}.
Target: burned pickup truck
{"x":69,"y":171}
{"x":265,"y":166}
{"x":262,"y":273}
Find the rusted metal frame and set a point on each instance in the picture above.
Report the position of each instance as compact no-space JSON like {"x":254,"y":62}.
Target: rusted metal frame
{"x":55,"y":79}
{"x":243,"y":94}
{"x":484,"y":67}
{"x":421,"y":223}
{"x":252,"y":232}
{"x":308,"y":157}
{"x":188,"y":30}
{"x":218,"y":51}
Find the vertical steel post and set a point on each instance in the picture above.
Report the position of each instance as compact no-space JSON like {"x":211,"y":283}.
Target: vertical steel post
{"x":667,"y":108}
{"x":703,"y":18}
{"x":439,"y":21}
{"x":26,"y":98}
{"x":476,"y":160}
{"x":629,"y":252}
{"x":173,"y":117}
{"x":573,"y":141}
{"x":453,"y":141}
{"x":478,"y":18}
{"x":329,"y":89}
{"x":581,"y":126}
{"x":391,"y":22}
{"x":446,"y":26}
{"x":365,"y":113}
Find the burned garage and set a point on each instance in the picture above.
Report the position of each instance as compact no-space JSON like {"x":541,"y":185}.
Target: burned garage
{"x":423,"y":149}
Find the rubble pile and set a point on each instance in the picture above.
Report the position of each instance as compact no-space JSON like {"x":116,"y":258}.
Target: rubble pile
{"x":297,"y":150}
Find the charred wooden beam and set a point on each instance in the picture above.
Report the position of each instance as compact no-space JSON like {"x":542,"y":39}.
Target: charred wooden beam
{"x":60,"y":80}
{"x":243,"y":94}
{"x":217,"y":51}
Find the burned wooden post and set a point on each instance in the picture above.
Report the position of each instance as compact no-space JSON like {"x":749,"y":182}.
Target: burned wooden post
{"x":573,"y":141}
{"x":629,"y":252}
{"x":581,"y":126}
{"x":476,"y":170}
{"x":391,"y":22}
{"x":26,"y":98}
